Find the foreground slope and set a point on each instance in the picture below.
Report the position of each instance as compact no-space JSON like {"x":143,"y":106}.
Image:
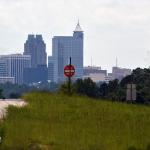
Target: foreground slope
{"x":58,"y":122}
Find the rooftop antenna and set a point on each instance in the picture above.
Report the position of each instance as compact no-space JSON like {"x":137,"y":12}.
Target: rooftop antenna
{"x":78,"y":21}
{"x":116,"y":62}
{"x":91,"y":62}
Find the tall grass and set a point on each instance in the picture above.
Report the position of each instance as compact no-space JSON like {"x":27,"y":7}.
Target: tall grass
{"x":59,"y":122}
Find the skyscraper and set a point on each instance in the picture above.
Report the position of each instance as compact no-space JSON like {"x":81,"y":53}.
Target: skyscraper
{"x":36,"y":47}
{"x":14,"y":65}
{"x":64,"y":47}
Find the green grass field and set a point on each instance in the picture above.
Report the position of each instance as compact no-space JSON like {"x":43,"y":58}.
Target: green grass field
{"x":58,"y":122}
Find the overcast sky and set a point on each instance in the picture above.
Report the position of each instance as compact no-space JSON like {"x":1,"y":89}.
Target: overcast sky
{"x":112,"y":28}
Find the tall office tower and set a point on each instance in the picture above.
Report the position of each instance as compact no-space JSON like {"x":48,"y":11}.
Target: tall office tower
{"x":36,"y":47}
{"x":64,"y":47}
{"x":14,"y":65}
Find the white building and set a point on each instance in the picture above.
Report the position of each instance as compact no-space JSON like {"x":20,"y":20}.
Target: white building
{"x":96,"y":77}
{"x":120,"y":73}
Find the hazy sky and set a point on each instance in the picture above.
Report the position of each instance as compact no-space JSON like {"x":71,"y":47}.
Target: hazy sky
{"x":112,"y":28}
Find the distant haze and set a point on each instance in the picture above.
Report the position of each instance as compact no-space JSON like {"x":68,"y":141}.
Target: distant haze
{"x":112,"y":28}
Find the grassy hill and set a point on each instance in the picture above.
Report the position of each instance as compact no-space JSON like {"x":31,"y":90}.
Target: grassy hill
{"x":58,"y":122}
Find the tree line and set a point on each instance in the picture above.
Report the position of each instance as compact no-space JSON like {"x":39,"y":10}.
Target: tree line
{"x":115,"y":90}
{"x":9,"y":90}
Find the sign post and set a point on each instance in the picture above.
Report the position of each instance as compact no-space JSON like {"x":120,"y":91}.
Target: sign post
{"x":69,"y":78}
{"x":69,"y":71}
{"x":131,"y":92}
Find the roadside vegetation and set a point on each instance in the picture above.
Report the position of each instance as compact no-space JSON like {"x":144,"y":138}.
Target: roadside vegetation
{"x":61,"y":122}
{"x":115,"y":90}
{"x":13,"y":91}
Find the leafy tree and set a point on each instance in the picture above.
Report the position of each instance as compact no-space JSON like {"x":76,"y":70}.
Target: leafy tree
{"x":14,"y":95}
{"x":140,"y":77}
{"x":64,"y":88}
{"x":103,"y":90}
{"x":113,"y":85}
{"x":86,"y":87}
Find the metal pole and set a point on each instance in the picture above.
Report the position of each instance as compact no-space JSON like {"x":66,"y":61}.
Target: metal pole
{"x":132,"y":88}
{"x":69,"y":78}
{"x":131,"y":93}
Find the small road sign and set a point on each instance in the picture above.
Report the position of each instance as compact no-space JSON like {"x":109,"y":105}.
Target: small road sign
{"x":131,"y":92}
{"x":69,"y":70}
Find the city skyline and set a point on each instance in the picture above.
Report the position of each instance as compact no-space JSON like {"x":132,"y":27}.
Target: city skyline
{"x":113,"y":28}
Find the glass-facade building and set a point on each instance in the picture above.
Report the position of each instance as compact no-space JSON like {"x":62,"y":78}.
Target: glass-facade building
{"x":14,"y":65}
{"x":64,"y":47}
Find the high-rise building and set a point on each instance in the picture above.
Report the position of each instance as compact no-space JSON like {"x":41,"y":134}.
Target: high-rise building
{"x":92,"y":69}
{"x":13,"y":66}
{"x":64,"y":47}
{"x":36,"y":47}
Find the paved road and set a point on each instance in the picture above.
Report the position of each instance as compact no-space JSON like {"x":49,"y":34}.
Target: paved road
{"x":7,"y":102}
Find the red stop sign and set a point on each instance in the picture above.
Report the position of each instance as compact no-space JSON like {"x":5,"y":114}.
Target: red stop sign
{"x":69,"y":70}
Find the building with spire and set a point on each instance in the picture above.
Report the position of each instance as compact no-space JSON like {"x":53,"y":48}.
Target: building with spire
{"x":64,"y":47}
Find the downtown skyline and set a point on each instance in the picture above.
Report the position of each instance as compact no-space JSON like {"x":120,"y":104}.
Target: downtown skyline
{"x":113,"y":28}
